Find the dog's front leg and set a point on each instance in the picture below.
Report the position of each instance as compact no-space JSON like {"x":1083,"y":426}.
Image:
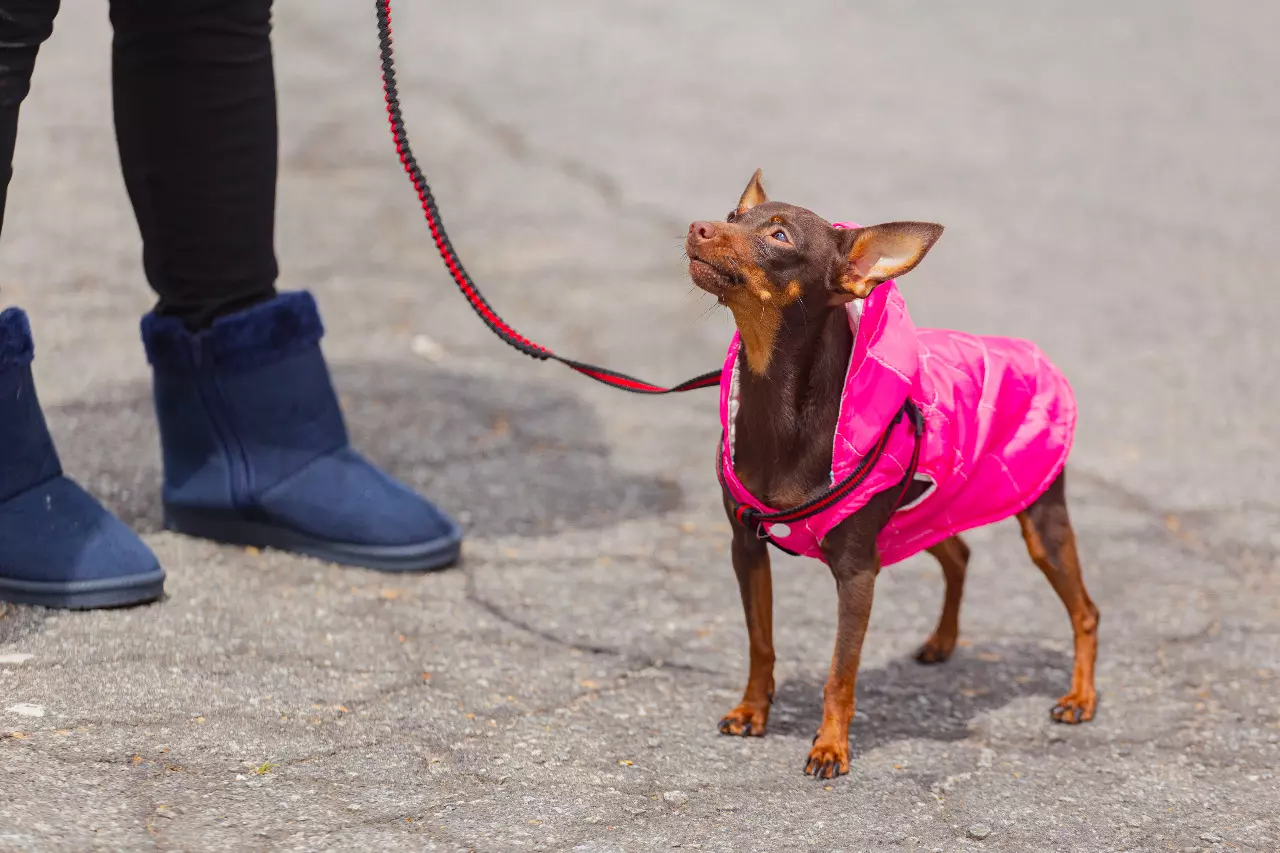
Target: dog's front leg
{"x":751,"y":564}
{"x":855,"y":564}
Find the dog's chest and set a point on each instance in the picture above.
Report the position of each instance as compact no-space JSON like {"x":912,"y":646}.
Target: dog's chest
{"x":786,"y":464}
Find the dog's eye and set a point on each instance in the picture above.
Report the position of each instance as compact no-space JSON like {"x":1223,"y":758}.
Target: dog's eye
{"x":780,"y":236}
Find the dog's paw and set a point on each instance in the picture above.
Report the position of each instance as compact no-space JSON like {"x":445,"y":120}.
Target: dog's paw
{"x":936,"y":649}
{"x":745,"y":721}
{"x":1075,"y":708}
{"x":828,"y":759}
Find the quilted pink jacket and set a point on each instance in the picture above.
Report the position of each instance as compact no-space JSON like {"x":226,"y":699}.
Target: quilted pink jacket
{"x":999,"y":421}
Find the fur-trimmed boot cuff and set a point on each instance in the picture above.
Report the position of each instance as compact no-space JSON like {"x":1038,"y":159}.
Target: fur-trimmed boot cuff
{"x":263,"y":334}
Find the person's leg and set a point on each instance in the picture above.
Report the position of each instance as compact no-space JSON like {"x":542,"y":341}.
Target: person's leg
{"x":195,"y":107}
{"x":58,"y":546}
{"x":24,"y":26}
{"x":255,"y":448}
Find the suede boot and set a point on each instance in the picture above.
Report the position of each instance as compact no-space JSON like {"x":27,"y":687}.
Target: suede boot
{"x":256,"y":451}
{"x":58,"y":546}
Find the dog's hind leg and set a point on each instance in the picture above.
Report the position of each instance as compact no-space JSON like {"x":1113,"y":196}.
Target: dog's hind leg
{"x":1051,"y":542}
{"x":953,"y":555}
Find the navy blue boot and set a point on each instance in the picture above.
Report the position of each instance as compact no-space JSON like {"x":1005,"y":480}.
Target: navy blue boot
{"x":58,"y":546}
{"x":256,"y":452}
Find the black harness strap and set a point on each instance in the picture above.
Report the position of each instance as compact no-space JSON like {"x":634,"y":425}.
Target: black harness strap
{"x":451,"y":260}
{"x":754,"y":519}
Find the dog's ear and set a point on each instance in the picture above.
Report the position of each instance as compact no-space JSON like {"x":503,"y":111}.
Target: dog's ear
{"x":878,"y":253}
{"x":752,"y":195}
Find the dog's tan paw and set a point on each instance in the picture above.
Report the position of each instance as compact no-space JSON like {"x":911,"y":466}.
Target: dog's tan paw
{"x":1075,"y":708}
{"x":746,"y":720}
{"x":828,"y":759}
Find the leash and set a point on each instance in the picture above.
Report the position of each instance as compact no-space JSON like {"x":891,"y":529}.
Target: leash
{"x":746,"y":515}
{"x":461,"y":277}
{"x":752,"y":518}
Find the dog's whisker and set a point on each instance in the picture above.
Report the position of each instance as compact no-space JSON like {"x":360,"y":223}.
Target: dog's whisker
{"x":804,"y":310}
{"x":710,"y":308}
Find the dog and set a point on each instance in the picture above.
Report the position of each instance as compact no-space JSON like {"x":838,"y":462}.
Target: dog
{"x":852,"y":437}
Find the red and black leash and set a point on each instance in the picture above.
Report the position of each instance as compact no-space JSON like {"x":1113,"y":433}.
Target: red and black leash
{"x":464,"y":281}
{"x":746,"y":515}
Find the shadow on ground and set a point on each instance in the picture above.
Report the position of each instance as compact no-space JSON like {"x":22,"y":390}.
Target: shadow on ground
{"x":505,"y":457}
{"x":906,"y":700}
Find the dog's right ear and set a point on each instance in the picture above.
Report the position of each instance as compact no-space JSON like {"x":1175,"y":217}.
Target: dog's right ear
{"x":880,"y":252}
{"x":752,"y":195}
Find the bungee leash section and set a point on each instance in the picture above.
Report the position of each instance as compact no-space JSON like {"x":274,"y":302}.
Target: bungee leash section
{"x":454,"y":264}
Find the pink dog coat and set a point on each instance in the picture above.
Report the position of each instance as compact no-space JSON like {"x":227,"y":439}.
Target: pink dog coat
{"x":999,"y":421}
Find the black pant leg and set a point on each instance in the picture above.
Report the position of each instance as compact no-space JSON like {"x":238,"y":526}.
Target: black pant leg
{"x":195,"y":111}
{"x":24,"y":25}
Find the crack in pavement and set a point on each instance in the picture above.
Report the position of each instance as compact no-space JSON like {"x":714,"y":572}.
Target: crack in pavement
{"x":636,"y":664}
{"x":103,"y":762}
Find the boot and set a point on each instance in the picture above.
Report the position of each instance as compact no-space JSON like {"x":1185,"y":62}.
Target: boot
{"x":58,"y":546}
{"x":255,"y":448}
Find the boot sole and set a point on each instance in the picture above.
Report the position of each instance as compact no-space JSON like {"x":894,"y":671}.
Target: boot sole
{"x":86,"y":595}
{"x":232,"y":529}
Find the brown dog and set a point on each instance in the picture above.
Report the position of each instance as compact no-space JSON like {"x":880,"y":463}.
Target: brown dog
{"x":786,"y":275}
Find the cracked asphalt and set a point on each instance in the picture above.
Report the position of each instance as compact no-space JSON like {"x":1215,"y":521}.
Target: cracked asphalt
{"x":1108,"y":179}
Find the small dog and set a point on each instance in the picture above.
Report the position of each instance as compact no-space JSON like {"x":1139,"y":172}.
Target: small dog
{"x":852,"y":437}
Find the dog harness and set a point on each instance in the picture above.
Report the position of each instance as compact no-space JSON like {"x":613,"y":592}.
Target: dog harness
{"x":986,"y":422}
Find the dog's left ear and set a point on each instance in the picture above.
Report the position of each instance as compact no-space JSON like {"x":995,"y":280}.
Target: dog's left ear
{"x":878,"y":253}
{"x":752,"y":195}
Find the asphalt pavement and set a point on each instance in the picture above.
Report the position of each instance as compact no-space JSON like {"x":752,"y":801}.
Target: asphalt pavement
{"x":1108,"y":177}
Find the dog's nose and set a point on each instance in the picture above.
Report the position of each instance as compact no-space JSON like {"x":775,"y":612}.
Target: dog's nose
{"x":702,"y":231}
